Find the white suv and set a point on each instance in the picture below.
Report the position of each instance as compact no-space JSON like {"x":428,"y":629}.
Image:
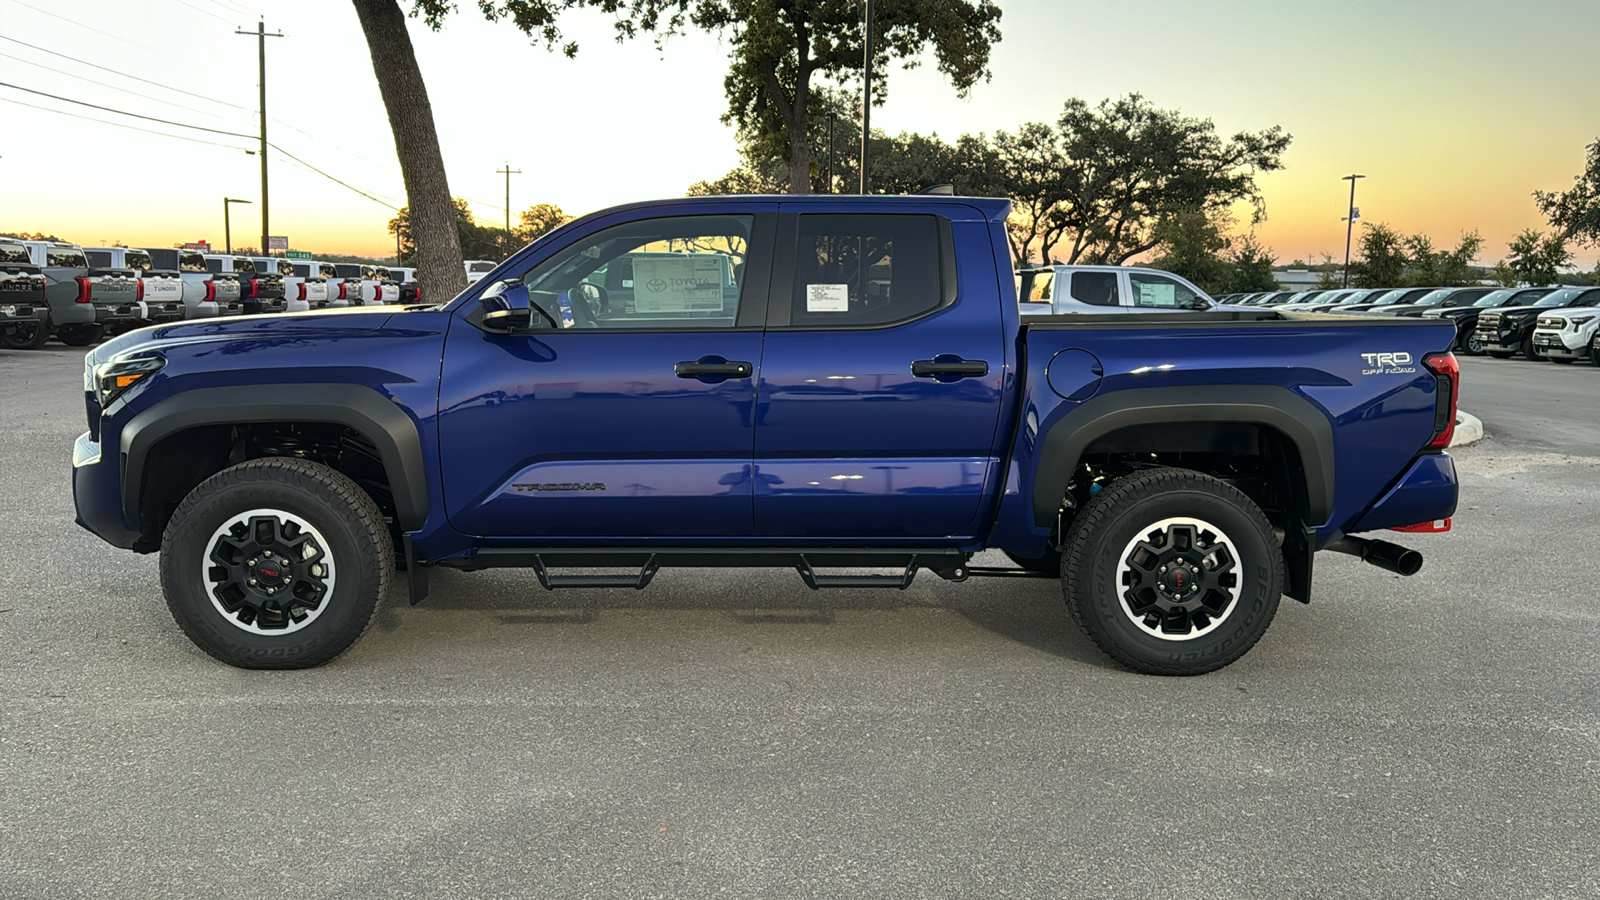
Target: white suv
{"x":1562,"y":336}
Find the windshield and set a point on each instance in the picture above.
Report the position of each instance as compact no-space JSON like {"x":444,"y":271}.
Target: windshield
{"x":1434,"y":298}
{"x":1559,"y":298}
{"x":1334,"y":297}
{"x":1391,"y":297}
{"x":1494,"y":298}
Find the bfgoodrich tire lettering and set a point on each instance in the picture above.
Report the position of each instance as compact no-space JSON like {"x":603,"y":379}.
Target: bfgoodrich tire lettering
{"x":1212,"y":532}
{"x":236,"y":527}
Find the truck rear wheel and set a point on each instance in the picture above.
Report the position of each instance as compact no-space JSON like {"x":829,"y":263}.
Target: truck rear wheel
{"x":26,"y":336}
{"x":276,"y":563}
{"x":80,"y":335}
{"x":1172,"y":572}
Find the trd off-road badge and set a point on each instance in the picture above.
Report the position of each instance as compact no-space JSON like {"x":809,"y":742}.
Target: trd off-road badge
{"x":1398,"y":363}
{"x":532,"y":487}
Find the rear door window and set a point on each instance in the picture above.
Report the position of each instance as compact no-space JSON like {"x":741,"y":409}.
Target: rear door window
{"x":1095,"y":288}
{"x":863,"y":270}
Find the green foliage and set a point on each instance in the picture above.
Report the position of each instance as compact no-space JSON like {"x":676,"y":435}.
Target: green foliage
{"x":1107,"y":175}
{"x":1250,"y":266}
{"x":1383,"y":258}
{"x":482,"y":241}
{"x":780,"y":49}
{"x":1429,"y":267}
{"x":1575,"y":213}
{"x":1504,"y":275}
{"x":1536,"y":258}
{"x":1191,"y":243}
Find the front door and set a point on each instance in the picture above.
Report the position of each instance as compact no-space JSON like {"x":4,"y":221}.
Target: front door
{"x":627,"y":408}
{"x":881,"y":379}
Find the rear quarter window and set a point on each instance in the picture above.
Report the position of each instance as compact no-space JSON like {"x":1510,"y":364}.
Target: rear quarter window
{"x":65,"y":258}
{"x":14,"y":254}
{"x":99,"y":258}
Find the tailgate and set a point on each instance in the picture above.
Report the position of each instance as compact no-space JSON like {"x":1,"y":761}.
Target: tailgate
{"x":163,"y":287}
{"x":21,"y":285}
{"x":113,"y":287}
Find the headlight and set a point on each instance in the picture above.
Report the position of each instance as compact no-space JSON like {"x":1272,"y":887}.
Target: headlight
{"x":1579,"y":320}
{"x":112,"y":379}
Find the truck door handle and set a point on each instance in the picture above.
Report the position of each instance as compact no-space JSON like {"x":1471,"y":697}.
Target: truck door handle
{"x":949,"y":367}
{"x":713,"y":367}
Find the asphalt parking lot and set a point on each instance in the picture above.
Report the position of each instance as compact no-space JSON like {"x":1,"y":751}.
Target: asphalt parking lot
{"x":731,"y":733}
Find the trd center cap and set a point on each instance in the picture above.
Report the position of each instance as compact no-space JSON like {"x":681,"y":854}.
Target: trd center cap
{"x":270,"y":573}
{"x":1179,"y":579}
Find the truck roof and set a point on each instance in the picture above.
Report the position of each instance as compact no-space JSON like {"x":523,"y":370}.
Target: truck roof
{"x":993,"y":208}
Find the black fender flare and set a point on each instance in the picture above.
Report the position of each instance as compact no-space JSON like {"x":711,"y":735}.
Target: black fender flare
{"x":1268,"y":405}
{"x":360,"y":408}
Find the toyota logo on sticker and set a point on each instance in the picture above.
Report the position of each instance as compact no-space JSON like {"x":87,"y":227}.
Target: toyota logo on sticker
{"x":656,"y":284}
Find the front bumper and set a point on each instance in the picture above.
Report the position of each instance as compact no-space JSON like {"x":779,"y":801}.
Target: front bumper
{"x":97,"y":494}
{"x":1556,"y":344}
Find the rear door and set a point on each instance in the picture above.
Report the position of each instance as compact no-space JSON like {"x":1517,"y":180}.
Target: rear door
{"x":627,"y":409}
{"x":880,"y":382}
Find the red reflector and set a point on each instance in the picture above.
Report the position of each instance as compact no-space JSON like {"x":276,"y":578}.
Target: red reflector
{"x":83,"y":289}
{"x":1437,"y":526}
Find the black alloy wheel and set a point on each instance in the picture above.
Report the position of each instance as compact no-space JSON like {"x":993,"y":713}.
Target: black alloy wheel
{"x":26,"y":336}
{"x":1172,"y":572}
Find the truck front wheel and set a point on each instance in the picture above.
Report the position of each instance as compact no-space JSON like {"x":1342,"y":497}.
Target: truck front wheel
{"x":1172,"y":572}
{"x":275,"y":563}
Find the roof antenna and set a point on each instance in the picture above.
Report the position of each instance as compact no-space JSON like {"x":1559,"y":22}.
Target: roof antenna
{"x":944,"y":190}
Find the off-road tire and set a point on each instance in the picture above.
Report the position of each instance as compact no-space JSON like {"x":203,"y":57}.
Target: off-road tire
{"x":80,"y":335}
{"x":26,"y":337}
{"x":1594,"y":351}
{"x":1470,"y":344}
{"x":360,"y":551}
{"x":1097,"y":548}
{"x":1530,"y":352}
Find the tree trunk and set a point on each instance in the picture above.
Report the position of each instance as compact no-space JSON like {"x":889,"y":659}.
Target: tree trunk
{"x":799,"y":156}
{"x":433,"y":216}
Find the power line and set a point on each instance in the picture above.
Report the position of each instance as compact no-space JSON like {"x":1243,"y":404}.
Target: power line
{"x":206,"y":12}
{"x":352,"y":187}
{"x":103,"y":84}
{"x":241,"y":10}
{"x":124,"y":113}
{"x":108,"y":34}
{"x":62,"y":112}
{"x":124,"y":74}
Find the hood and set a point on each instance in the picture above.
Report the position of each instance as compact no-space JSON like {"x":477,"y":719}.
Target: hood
{"x":1456,"y":312}
{"x":301,"y":324}
{"x":1524,"y":310}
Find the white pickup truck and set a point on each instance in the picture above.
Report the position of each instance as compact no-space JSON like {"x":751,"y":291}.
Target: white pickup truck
{"x":1048,"y":290}
{"x":1563,"y":335}
{"x":199,"y":292}
{"x":310,"y":285}
{"x":160,"y":291}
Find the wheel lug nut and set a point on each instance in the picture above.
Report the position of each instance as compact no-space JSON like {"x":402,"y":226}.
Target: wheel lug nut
{"x":252,"y":581}
{"x":272,"y":590}
{"x":252,"y":562}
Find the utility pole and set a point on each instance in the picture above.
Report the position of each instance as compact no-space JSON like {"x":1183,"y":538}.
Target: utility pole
{"x":262,"y":34}
{"x":831,"y":117}
{"x":1350,"y":224}
{"x":866,"y":91}
{"x":508,"y":173}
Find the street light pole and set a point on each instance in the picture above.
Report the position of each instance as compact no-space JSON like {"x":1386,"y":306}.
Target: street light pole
{"x":1349,"y":225}
{"x":227,"y":224}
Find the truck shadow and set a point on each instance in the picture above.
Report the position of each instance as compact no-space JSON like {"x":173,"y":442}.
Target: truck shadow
{"x":1026,"y":611}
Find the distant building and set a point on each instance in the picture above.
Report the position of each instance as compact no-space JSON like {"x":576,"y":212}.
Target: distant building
{"x":1296,"y":279}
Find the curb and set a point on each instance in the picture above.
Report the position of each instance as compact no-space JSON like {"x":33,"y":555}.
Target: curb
{"x":1469,"y":429}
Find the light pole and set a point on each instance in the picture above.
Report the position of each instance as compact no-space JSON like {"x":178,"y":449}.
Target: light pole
{"x":1349,"y":225}
{"x":227,"y":224}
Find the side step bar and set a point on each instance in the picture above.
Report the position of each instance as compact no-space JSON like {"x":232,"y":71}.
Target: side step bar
{"x":643,"y":565}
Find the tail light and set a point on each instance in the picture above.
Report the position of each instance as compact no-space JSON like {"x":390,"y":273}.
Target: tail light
{"x":377,"y":293}
{"x":83,"y":289}
{"x":211,"y":292}
{"x":341,"y":291}
{"x":255,"y":289}
{"x":302,"y":290}
{"x":1447,"y":373}
{"x":139,"y":292}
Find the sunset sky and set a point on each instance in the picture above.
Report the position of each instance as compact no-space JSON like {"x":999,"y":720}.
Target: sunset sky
{"x":1455,"y":110}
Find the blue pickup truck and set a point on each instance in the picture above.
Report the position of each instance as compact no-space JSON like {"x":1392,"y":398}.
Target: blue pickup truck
{"x":837,"y":385}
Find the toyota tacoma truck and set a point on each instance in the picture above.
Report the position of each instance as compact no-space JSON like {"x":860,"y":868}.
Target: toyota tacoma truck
{"x":835,"y":385}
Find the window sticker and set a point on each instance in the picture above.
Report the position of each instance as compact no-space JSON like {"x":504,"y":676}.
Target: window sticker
{"x":684,"y":283}
{"x":827,"y":298}
{"x":1156,"y":294}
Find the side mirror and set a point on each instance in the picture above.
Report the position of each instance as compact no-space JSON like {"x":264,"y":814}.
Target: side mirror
{"x":1201,"y":303}
{"x":506,"y":307}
